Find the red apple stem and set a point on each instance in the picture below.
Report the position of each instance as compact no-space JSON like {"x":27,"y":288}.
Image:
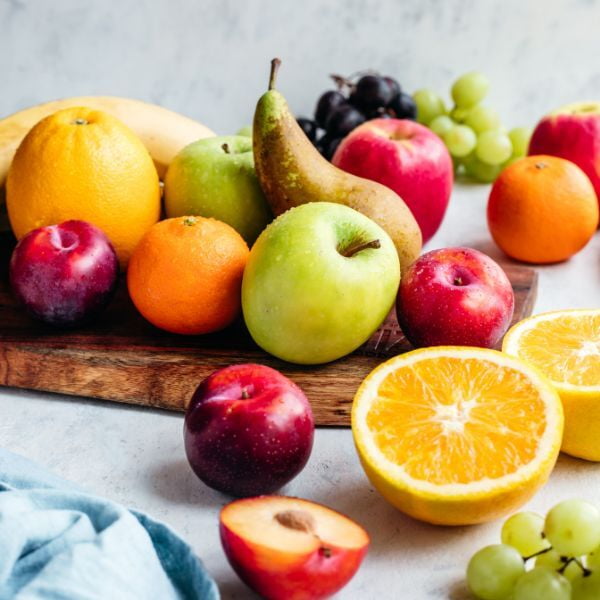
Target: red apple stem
{"x":245,"y":394}
{"x":353,"y":249}
{"x":458,"y":281}
{"x":275,"y":64}
{"x":225,"y":148}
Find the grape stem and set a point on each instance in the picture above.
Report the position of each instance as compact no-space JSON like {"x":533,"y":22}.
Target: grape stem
{"x":586,"y":572}
{"x":526,"y":558}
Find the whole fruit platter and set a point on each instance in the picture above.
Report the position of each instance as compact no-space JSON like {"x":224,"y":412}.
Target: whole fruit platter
{"x":294,"y":246}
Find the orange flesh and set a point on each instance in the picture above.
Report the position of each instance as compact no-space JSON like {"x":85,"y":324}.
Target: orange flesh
{"x":448,"y":420}
{"x":254,"y":520}
{"x":566,"y":349}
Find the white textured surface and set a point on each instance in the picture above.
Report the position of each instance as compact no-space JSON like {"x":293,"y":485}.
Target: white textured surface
{"x":209,"y":59}
{"x":136,"y":456}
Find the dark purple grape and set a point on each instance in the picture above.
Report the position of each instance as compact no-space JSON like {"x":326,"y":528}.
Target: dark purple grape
{"x":378,"y":113}
{"x":393,"y":85}
{"x":343,"y":120}
{"x":328,"y":144}
{"x":404,"y":107}
{"x":309,"y":127}
{"x":326,"y":104}
{"x":371,"y":92}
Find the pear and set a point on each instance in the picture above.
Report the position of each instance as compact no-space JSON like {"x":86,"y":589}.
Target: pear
{"x":291,"y":172}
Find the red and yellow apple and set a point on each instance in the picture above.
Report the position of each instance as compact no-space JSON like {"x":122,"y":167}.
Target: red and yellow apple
{"x":572,"y":132}
{"x":406,"y":157}
{"x":455,"y":296}
{"x":248,"y":430}
{"x":289,"y":548}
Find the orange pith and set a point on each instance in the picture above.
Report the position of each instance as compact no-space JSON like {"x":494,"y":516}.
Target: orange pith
{"x":456,"y":421}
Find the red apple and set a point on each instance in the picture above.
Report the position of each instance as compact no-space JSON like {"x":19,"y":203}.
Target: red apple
{"x":455,"y":296}
{"x":248,"y":430}
{"x":572,"y":132}
{"x":406,"y":157}
{"x":291,"y":549}
{"x":64,"y":274}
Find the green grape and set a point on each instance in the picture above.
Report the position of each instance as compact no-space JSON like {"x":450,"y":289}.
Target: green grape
{"x":493,"y":147}
{"x":460,"y":140}
{"x":482,"y":118}
{"x":542,"y":583}
{"x":573,"y":527}
{"x":520,"y":136}
{"x":245,"y":131}
{"x":553,"y":560}
{"x":470,"y":89}
{"x":493,"y":571}
{"x":459,"y":114}
{"x":480,"y":171}
{"x":523,"y":531}
{"x":586,"y":587}
{"x":441,"y":124}
{"x":593,"y":559}
{"x":429,"y":106}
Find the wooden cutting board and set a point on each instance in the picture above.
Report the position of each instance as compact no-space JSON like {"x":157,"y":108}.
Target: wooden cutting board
{"x":123,"y":358}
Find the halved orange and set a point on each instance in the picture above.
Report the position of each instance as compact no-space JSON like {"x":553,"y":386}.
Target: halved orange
{"x":565,"y":346}
{"x":455,"y":435}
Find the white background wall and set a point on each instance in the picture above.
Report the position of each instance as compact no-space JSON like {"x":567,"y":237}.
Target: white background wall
{"x":209,"y":58}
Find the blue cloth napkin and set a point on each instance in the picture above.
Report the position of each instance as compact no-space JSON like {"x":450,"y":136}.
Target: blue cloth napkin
{"x":59,"y":543}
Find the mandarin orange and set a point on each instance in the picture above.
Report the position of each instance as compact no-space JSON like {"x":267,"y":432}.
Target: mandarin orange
{"x":185,"y":275}
{"x":542,"y":209}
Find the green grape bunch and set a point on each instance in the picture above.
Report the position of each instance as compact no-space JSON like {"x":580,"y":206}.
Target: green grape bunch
{"x":479,"y":144}
{"x":551,"y":558}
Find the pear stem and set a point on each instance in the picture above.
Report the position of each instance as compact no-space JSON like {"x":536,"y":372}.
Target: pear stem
{"x":275,"y":63}
{"x":353,"y":249}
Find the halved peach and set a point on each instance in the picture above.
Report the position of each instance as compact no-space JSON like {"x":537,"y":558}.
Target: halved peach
{"x":289,"y":548}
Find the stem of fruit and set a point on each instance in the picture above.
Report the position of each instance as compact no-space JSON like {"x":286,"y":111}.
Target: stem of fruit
{"x":586,"y":572}
{"x":275,"y":63}
{"x":353,"y":249}
{"x":526,"y":558}
{"x":245,"y":394}
{"x":226,"y":148}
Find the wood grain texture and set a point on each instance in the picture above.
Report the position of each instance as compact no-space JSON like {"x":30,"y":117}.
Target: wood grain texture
{"x":123,"y":358}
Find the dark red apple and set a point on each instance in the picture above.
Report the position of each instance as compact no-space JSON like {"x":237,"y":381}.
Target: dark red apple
{"x":455,"y":296}
{"x":289,"y":548}
{"x":64,"y":274}
{"x":406,"y":157}
{"x":572,"y":132}
{"x":248,"y":430}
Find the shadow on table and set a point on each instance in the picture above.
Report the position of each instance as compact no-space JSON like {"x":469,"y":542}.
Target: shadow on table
{"x":174,"y":481}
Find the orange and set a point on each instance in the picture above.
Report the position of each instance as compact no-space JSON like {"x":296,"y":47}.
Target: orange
{"x":455,"y":435}
{"x":565,"y":346}
{"x":185,"y":275}
{"x":81,"y":163}
{"x":542,"y":209}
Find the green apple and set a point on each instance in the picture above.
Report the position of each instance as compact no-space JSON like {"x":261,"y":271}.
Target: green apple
{"x":319,"y":281}
{"x":215,"y":177}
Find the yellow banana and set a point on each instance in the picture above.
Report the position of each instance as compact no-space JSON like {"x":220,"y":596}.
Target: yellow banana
{"x":163,"y":132}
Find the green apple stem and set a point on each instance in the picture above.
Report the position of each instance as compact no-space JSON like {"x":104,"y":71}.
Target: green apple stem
{"x":275,"y":63}
{"x":353,"y":249}
{"x":225,"y":148}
